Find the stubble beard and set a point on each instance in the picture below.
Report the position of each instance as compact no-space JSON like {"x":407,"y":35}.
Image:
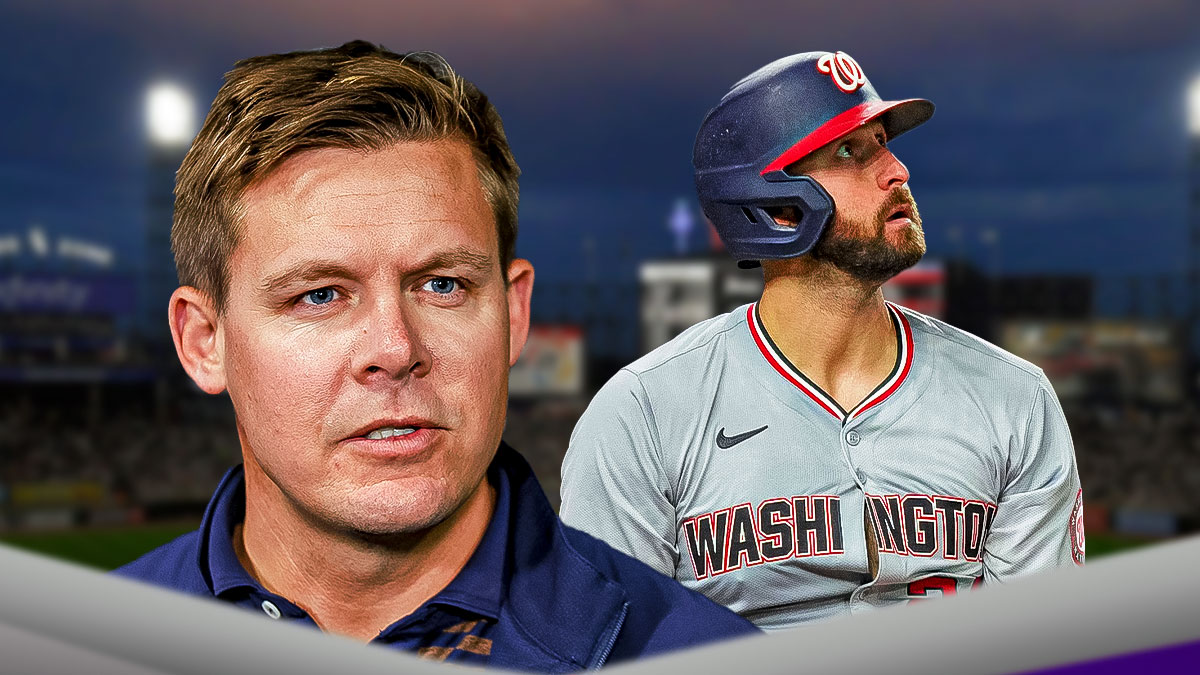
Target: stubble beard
{"x":873,"y":259}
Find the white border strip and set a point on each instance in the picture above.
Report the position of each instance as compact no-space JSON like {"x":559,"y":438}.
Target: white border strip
{"x":1118,"y":605}
{"x":1121,"y":604}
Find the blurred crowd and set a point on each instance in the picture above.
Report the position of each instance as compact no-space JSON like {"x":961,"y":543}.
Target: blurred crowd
{"x":1140,"y":457}
{"x":1130,"y":456}
{"x":131,"y":458}
{"x":540,"y":431}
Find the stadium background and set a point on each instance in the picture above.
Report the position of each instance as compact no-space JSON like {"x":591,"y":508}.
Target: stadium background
{"x":1059,"y":182}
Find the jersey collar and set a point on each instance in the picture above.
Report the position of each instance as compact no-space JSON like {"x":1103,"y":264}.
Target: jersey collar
{"x":792,"y":374}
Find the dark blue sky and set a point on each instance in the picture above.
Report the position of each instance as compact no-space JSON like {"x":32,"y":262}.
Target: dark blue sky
{"x":1059,"y":124}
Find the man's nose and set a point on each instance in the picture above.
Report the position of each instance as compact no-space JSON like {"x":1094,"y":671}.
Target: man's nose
{"x":390,"y":345}
{"x":892,"y":172}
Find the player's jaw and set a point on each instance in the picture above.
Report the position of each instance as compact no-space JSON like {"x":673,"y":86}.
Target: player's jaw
{"x":891,"y":241}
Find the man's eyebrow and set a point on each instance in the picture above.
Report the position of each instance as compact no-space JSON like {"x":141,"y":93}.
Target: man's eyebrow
{"x":306,"y":272}
{"x":457,"y":257}
{"x":310,"y":271}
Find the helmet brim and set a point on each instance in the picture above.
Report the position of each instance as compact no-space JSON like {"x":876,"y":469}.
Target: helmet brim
{"x":897,"y":117}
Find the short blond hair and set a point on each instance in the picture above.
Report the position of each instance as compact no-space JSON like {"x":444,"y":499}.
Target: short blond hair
{"x":358,"y":96}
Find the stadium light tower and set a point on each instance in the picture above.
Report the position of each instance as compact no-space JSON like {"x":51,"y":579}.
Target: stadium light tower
{"x":1193,"y":99}
{"x":170,"y":115}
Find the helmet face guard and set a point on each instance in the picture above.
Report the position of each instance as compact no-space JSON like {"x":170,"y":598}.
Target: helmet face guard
{"x":774,"y":117}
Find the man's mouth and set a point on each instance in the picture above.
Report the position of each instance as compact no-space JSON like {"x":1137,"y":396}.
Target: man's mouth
{"x":394,"y":438}
{"x":388,"y":432}
{"x":383,"y":429}
{"x":900,"y":213}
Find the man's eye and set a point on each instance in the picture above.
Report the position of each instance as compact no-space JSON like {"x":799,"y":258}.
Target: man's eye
{"x":845,"y":151}
{"x":320,"y":296}
{"x":442,"y":285}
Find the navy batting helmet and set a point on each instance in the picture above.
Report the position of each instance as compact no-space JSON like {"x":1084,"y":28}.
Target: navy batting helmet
{"x":773,"y":117}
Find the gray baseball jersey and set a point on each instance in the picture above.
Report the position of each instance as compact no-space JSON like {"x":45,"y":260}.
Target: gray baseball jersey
{"x":716,"y":461}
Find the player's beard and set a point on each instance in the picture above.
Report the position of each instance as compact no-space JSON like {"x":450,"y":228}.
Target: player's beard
{"x":872,"y":259}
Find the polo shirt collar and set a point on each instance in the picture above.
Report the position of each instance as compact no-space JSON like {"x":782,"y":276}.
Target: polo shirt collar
{"x":478,"y":588}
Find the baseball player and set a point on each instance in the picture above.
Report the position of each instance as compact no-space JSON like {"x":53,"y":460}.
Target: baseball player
{"x":822,"y":451}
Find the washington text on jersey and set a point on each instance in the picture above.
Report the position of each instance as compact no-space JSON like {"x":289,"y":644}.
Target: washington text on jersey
{"x":960,"y":462}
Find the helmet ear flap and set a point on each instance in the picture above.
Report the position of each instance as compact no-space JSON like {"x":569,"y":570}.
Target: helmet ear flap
{"x":749,"y":219}
{"x":790,"y":214}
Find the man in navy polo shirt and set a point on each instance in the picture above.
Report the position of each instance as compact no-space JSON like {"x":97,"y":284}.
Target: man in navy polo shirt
{"x":344,"y":235}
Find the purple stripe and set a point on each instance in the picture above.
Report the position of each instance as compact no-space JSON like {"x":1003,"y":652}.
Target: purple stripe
{"x":1177,"y":659}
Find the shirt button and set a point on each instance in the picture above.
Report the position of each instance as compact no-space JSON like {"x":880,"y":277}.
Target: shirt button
{"x":270,"y":609}
{"x":853,"y":437}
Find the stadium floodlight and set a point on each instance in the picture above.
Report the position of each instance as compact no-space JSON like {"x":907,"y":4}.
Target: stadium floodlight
{"x":170,"y":115}
{"x":1193,"y":102}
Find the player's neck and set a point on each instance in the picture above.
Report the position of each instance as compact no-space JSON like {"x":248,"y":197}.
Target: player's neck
{"x":350,"y":584}
{"x":832,"y":327}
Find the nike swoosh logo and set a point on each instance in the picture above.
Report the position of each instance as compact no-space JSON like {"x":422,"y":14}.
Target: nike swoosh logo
{"x":725,"y":442}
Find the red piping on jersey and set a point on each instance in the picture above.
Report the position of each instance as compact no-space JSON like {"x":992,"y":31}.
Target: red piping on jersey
{"x":908,"y":340}
{"x":779,"y":368}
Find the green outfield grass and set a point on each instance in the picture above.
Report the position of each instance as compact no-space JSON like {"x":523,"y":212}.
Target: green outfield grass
{"x":106,"y":548}
{"x":1100,"y":545}
{"x":110,"y":548}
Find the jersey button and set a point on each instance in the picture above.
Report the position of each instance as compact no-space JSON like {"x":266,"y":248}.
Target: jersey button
{"x":853,"y":437}
{"x":270,"y":609}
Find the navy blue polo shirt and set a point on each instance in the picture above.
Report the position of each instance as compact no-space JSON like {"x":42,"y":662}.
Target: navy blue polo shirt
{"x":453,"y":625}
{"x":535,"y":595}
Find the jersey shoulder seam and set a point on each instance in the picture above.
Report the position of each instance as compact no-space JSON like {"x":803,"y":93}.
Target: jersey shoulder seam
{"x":1045,"y":397}
{"x":647,"y":407}
{"x":665,"y":360}
{"x":1029,"y":422}
{"x":950,"y":333}
{"x":647,"y":410}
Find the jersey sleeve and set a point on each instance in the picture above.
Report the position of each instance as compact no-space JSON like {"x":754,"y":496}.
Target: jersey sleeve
{"x":1038,"y":523}
{"x":614,"y":486}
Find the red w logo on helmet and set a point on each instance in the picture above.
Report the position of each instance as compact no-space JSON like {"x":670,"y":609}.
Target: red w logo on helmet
{"x":843,"y":70}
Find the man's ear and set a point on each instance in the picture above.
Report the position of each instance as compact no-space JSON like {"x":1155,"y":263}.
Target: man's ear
{"x":520,"y":289}
{"x":196,"y":332}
